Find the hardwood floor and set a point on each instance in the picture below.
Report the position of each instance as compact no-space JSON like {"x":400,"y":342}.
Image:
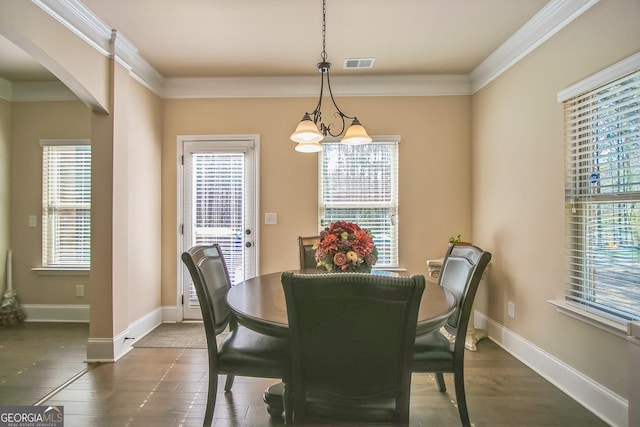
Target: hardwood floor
{"x":167,"y":387}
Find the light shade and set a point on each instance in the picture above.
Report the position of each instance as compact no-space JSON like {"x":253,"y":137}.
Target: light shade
{"x":308,"y":147}
{"x":306,"y":132}
{"x":356,"y":134}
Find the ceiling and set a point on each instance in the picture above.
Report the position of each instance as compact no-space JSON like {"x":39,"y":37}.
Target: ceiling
{"x":258,"y":38}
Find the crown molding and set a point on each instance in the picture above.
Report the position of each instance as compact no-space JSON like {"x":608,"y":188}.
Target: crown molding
{"x":298,"y":86}
{"x":551,"y":19}
{"x":35,"y":91}
{"x":81,"y":21}
{"x":6,"y":89}
{"x":41,"y":91}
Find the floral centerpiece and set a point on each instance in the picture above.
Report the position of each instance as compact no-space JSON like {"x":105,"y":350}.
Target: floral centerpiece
{"x":345,"y":247}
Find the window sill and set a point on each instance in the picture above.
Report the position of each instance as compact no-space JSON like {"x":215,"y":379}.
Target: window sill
{"x":593,"y":319}
{"x":66,"y":271}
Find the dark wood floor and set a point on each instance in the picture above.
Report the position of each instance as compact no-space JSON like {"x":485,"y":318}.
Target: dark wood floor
{"x":43,"y":364}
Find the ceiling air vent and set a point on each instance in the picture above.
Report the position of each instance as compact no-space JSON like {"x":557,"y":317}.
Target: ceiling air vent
{"x":358,"y":63}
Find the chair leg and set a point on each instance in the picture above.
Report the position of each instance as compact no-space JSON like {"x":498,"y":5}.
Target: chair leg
{"x":440,"y":382}
{"x":228,"y":383}
{"x":458,"y":379}
{"x":211,"y":394}
{"x":288,"y":404}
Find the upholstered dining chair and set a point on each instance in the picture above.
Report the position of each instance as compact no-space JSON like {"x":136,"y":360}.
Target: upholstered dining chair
{"x":306,"y":251}
{"x":351,"y":338}
{"x":242,"y":352}
{"x":461,"y":272}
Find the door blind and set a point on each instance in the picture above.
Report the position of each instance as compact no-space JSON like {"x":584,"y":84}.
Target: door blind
{"x":217,"y":200}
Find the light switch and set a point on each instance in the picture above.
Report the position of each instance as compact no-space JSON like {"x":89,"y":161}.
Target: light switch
{"x":270,"y":218}
{"x":33,"y":221}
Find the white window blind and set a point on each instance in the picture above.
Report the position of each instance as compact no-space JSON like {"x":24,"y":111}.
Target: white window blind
{"x":218,"y":196}
{"x":602,"y":128}
{"x":360,"y":184}
{"x":66,"y":203}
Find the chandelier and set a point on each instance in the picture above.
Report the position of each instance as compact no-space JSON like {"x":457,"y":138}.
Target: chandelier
{"x":311,"y":129}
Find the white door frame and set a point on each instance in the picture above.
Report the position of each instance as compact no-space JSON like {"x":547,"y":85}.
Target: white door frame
{"x":181,"y":140}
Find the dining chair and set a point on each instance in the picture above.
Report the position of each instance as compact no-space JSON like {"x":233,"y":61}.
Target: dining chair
{"x":351,"y":338}
{"x":307,"y":252}
{"x":242,"y":351}
{"x":436,"y":352}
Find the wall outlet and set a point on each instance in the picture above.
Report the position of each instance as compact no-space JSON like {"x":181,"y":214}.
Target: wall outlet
{"x":33,"y":221}
{"x":511,"y":310}
{"x":79,"y":291}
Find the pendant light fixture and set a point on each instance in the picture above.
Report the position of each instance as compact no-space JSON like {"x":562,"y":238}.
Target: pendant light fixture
{"x":311,"y":129}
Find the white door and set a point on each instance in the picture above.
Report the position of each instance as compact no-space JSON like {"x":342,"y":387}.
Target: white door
{"x":219,"y":205}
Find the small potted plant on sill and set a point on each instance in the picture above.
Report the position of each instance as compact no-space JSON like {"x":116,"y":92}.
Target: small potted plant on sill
{"x":458,"y":240}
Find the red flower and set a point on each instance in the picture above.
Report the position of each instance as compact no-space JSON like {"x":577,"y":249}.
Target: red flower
{"x":339,"y":259}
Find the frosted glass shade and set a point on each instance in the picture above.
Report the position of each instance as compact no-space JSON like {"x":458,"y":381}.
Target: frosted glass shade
{"x":308,"y":147}
{"x":356,"y":134}
{"x":306,"y":132}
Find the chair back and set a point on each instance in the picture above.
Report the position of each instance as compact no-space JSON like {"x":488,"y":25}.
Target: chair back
{"x":351,"y":338}
{"x":462,"y":270}
{"x":210,"y":277}
{"x":306,"y":252}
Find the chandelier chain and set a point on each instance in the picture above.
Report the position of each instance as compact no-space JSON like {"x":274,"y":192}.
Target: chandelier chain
{"x":323,"y":55}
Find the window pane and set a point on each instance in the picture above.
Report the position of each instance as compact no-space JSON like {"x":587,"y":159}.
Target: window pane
{"x":359,"y":184}
{"x":603,"y":198}
{"x":66,"y":225}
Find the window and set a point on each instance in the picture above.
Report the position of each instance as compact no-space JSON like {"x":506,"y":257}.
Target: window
{"x":66,"y":203}
{"x":602,"y":128}
{"x":360,"y":184}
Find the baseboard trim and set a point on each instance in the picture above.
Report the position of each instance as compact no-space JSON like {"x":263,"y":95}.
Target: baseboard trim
{"x":69,"y":313}
{"x":607,"y":405}
{"x":112,"y":349}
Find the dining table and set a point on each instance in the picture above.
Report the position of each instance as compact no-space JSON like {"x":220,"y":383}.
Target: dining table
{"x":259,"y":304}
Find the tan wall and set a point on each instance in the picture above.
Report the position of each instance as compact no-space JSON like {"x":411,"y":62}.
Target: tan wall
{"x":518,"y":182}
{"x":434,"y":190}
{"x":145,"y":233}
{"x":126,"y":234}
{"x":31,"y":122}
{"x":5,"y":151}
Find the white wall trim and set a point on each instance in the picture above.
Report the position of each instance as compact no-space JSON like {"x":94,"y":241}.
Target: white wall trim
{"x":6,"y":90}
{"x":617,"y":70}
{"x":604,"y":403}
{"x":112,"y":349}
{"x":170,"y":314}
{"x":552,"y":18}
{"x":69,"y":313}
{"x":303,"y":86}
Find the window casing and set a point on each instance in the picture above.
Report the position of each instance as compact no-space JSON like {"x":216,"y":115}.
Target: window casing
{"x":66,"y":203}
{"x":360,"y":184}
{"x":602,"y":129}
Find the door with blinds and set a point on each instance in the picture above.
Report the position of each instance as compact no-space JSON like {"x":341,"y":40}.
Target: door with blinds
{"x":219,"y":205}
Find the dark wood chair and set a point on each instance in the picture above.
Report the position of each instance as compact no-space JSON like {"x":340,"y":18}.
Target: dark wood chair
{"x":352,"y":338}
{"x":242,"y":352}
{"x":306,"y":251}
{"x":461,"y":272}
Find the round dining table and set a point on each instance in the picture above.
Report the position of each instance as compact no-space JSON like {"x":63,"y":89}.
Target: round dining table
{"x":259,"y":304}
